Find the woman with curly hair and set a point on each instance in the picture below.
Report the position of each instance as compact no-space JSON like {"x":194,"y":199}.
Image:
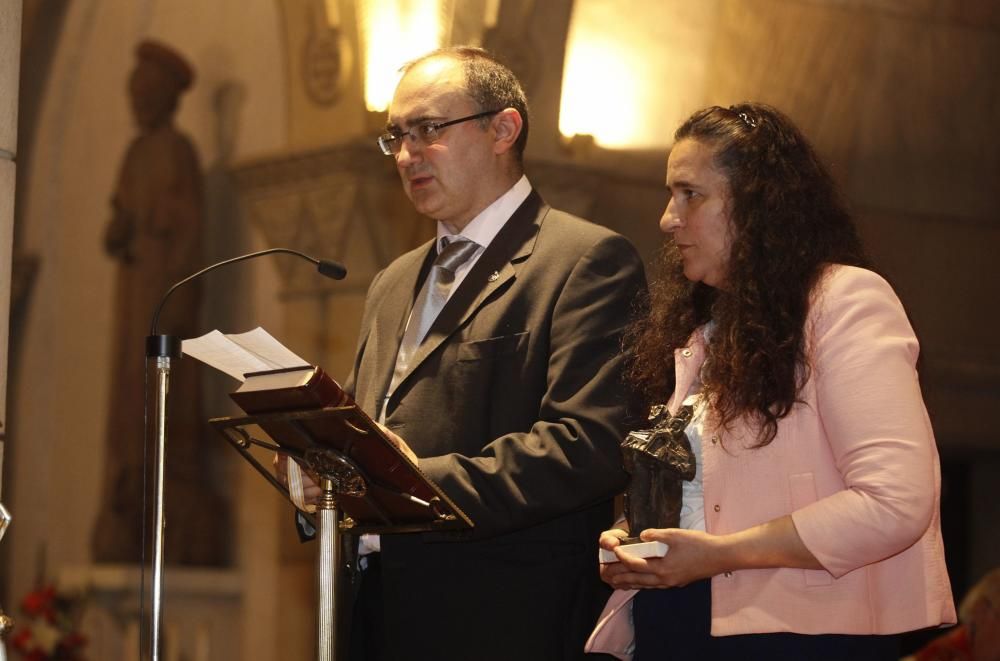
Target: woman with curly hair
{"x":811,"y":527}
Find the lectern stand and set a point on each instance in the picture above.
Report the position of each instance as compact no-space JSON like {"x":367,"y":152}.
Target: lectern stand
{"x":368,"y":484}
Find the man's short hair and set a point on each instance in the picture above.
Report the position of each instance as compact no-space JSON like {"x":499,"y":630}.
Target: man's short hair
{"x":490,"y":84}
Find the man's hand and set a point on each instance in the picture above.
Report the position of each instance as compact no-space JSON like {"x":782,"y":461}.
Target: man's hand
{"x":310,"y":490}
{"x":399,"y":443}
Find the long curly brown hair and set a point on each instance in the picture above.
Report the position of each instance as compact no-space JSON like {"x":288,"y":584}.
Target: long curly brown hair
{"x":787,"y":221}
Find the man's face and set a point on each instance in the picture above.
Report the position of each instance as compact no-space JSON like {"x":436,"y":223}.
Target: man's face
{"x":450,"y":179}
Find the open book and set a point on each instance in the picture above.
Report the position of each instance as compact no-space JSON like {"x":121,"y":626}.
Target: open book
{"x":274,"y":378}
{"x":239,"y":354}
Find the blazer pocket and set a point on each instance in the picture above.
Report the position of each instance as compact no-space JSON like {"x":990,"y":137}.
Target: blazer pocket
{"x":493,"y":346}
{"x":803,"y":490}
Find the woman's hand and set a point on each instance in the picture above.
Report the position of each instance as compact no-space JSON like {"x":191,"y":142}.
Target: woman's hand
{"x":610,"y":540}
{"x":691,"y":555}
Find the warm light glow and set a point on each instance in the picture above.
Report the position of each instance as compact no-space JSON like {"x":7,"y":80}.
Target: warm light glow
{"x":601,"y":90}
{"x":332,"y":13}
{"x":395,"y":31}
{"x":632,"y":76}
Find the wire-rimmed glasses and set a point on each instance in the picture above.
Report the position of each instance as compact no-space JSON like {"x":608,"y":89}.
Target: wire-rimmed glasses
{"x":424,"y":134}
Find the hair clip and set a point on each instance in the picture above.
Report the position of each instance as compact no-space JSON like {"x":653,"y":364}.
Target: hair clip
{"x":749,"y":121}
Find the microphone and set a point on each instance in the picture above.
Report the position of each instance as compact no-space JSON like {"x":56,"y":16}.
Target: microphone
{"x":164,"y":348}
{"x":327,"y":267}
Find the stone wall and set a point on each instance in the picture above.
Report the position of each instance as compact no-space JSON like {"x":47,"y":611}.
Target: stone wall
{"x":10,"y":57}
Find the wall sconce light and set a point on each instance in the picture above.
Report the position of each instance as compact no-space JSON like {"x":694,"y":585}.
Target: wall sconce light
{"x":394,"y":32}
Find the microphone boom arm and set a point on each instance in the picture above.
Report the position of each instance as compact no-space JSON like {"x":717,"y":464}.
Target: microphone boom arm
{"x":327,"y":267}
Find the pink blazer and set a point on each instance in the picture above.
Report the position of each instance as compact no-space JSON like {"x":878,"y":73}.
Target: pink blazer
{"x":855,"y":464}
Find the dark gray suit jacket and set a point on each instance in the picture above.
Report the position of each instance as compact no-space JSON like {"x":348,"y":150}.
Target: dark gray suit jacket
{"x":515,"y":405}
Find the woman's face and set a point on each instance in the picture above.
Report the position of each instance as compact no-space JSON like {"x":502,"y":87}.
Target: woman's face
{"x":697,"y":215}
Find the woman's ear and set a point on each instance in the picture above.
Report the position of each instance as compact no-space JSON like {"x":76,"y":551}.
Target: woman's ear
{"x":507,"y":123}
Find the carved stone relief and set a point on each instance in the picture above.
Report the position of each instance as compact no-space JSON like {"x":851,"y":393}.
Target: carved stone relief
{"x":324,"y":54}
{"x":343,"y":203}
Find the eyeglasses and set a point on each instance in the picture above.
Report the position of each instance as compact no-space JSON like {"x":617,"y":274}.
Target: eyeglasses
{"x":423,"y":134}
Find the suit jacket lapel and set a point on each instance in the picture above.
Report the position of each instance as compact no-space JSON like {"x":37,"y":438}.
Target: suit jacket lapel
{"x":388,"y":325}
{"x":511,"y":246}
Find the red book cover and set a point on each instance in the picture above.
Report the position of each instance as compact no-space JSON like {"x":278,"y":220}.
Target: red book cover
{"x":292,"y":389}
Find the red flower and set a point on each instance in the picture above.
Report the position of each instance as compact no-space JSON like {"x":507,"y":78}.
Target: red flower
{"x":21,"y":640}
{"x":39,"y":603}
{"x":50,"y":632}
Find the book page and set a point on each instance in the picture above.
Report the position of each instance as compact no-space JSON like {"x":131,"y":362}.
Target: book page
{"x":263,"y":345}
{"x":239,"y":354}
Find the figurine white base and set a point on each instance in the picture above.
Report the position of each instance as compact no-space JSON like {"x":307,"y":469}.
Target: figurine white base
{"x":639,"y":550}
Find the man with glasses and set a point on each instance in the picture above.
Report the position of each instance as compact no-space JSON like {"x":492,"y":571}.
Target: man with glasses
{"x":493,"y":353}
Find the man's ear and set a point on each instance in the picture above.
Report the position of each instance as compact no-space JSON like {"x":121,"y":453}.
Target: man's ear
{"x":507,"y":123}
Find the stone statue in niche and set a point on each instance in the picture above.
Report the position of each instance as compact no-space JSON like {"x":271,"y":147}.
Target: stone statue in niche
{"x":155,"y":235}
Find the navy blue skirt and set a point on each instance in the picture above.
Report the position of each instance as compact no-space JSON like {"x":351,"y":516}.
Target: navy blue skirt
{"x":675,"y":624}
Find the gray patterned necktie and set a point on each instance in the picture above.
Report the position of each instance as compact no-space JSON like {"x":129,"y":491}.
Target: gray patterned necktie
{"x":455,"y":251}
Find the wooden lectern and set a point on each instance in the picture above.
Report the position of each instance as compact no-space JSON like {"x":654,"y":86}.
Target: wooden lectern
{"x":368,"y":484}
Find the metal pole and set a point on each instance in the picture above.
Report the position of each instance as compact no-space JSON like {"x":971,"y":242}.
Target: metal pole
{"x":6,"y":623}
{"x":162,"y":386}
{"x":326,"y":570}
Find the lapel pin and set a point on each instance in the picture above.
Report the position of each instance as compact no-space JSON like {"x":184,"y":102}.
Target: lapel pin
{"x":494,"y":276}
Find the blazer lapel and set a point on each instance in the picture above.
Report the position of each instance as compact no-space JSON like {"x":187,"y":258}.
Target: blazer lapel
{"x":511,"y":247}
{"x":687,"y":363}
